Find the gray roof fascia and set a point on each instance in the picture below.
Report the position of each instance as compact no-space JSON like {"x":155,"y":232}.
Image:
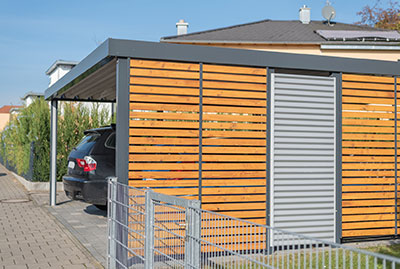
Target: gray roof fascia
{"x":97,"y":57}
{"x":229,"y":56}
{"x":183,"y":41}
{"x":215,"y":55}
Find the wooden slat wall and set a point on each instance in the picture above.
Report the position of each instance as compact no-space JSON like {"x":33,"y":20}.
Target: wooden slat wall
{"x":164,"y":127}
{"x":368,"y":156}
{"x":234,"y":141}
{"x":164,"y":134}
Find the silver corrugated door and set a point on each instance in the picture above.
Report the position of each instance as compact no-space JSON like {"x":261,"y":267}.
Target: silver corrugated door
{"x":303,"y":154}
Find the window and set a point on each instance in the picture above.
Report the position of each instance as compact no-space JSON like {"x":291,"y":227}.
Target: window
{"x":110,"y":142}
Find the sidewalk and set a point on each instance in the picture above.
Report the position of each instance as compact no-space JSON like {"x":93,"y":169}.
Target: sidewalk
{"x":86,"y":223}
{"x":30,"y":237}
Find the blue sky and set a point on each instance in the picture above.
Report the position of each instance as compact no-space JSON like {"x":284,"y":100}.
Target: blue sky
{"x":33,"y":34}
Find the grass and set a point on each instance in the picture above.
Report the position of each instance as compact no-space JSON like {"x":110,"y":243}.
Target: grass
{"x":326,"y":258}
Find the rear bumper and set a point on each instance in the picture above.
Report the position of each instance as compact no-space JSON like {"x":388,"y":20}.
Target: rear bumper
{"x":93,"y":191}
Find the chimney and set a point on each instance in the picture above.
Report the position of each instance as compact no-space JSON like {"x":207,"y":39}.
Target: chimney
{"x":181,"y":27}
{"x":305,"y":15}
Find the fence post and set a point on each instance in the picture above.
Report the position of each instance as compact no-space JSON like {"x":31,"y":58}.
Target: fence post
{"x":193,"y":235}
{"x":112,"y":191}
{"x":149,"y":231}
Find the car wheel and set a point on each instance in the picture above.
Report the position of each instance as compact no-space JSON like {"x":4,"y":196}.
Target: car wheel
{"x":101,"y":207}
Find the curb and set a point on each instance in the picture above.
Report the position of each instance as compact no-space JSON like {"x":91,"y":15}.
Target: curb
{"x":36,"y":186}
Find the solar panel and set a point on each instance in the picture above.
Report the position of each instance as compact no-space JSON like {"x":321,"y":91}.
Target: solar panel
{"x":342,"y":35}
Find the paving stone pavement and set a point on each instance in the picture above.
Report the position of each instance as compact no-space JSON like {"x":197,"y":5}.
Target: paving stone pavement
{"x":30,"y":237}
{"x":86,"y":222}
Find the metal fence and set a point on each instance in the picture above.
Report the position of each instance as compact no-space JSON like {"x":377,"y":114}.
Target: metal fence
{"x":152,"y":230}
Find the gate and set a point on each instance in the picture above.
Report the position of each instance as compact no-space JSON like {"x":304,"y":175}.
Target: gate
{"x":172,"y":231}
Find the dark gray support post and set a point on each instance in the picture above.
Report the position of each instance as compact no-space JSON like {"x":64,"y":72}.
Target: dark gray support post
{"x":122,"y":161}
{"x":53,"y":152}
{"x":338,"y":154}
{"x":122,"y":124}
{"x":395,"y":155}
{"x":201,"y":133}
{"x":268,"y":159}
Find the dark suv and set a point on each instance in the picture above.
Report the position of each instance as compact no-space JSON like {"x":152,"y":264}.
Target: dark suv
{"x":89,"y":165}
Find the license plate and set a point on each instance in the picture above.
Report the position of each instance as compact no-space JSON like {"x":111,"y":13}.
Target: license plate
{"x":71,"y":164}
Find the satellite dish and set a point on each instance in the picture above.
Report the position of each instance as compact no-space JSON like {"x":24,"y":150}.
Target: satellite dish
{"x":329,"y":12}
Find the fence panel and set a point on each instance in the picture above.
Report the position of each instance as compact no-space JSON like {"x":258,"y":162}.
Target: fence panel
{"x":178,"y":234}
{"x":368,"y":156}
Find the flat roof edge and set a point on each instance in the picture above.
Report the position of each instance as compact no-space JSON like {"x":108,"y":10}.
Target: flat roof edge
{"x":231,"y":56}
{"x":98,"y":55}
{"x":214,"y":55}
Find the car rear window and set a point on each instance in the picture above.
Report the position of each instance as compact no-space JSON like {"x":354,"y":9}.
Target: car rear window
{"x":110,"y":142}
{"x":87,"y":142}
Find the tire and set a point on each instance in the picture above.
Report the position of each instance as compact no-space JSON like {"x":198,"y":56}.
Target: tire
{"x":101,"y":207}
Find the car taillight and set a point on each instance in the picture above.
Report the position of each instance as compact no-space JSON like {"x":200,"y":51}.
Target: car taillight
{"x":87,"y":163}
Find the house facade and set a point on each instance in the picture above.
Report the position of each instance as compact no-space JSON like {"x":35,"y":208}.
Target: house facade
{"x":301,"y":36}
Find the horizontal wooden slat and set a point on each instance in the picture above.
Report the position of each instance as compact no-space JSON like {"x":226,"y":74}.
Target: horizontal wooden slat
{"x":373,"y":173}
{"x":235,"y":94}
{"x":164,"y":124}
{"x":369,"y":202}
{"x":195,"y":157}
{"x":364,"y":100}
{"x":368,"y":136}
{"x":367,"y":144}
{"x":363,"y":180}
{"x":164,"y":90}
{"x":234,"y":69}
{"x":369,"y":93}
{"x":139,"y":72}
{"x":370,"y":115}
{"x":164,"y":82}
{"x":164,"y":99}
{"x":353,"y":166}
{"x":359,"y":122}
{"x":233,"y":198}
{"x":193,"y":149}
{"x":368,"y":151}
{"x":378,"y":108}
{"x":195,"y":166}
{"x":386,"y":188}
{"x":369,"y":224}
{"x":363,"y":78}
{"x":372,"y":86}
{"x":236,"y":77}
{"x":368,"y":232}
{"x":164,"y":65}
{"x":367,"y":210}
{"x":370,"y":217}
{"x":166,"y":132}
{"x":195,"y":174}
{"x":234,"y":85}
{"x":368,"y":195}
{"x":234,"y":102}
{"x":234,"y":206}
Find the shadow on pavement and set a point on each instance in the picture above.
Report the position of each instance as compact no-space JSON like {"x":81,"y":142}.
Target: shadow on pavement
{"x":2,"y":174}
{"x":64,"y":202}
{"x":92,"y":210}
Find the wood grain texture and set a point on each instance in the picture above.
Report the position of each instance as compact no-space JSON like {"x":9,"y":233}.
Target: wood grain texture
{"x":368,"y":161}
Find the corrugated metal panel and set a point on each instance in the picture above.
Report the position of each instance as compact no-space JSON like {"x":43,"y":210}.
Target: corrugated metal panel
{"x":303,"y":154}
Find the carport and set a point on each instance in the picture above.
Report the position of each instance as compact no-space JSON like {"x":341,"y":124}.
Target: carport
{"x":299,"y":142}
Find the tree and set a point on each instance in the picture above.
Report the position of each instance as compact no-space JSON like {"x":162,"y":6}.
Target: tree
{"x":378,"y":17}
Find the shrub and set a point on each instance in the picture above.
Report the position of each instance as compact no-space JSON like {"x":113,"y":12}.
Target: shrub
{"x":33,"y":125}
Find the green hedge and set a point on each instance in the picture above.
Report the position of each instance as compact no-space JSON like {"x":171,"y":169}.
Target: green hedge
{"x":33,"y":125}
